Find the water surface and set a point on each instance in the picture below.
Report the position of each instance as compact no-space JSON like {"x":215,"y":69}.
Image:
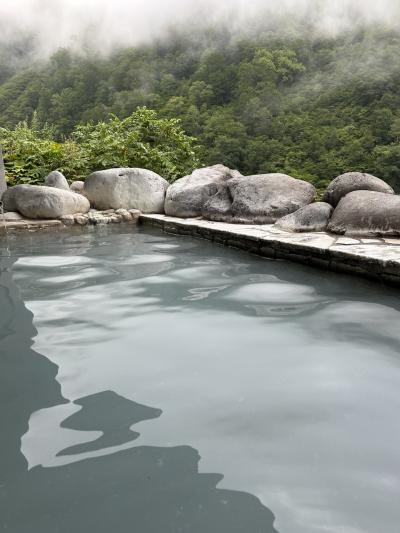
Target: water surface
{"x":162,"y":384}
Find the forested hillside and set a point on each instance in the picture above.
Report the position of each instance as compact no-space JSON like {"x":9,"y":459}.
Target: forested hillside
{"x":309,"y":106}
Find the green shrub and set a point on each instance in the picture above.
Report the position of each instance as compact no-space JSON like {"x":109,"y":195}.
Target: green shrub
{"x":141,"y":140}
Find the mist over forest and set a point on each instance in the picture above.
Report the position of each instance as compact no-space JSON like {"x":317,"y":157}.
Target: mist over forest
{"x":103,"y":25}
{"x":308,"y":88}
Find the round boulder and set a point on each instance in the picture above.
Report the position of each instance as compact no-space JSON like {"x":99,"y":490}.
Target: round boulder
{"x":10,"y":216}
{"x":187,"y":196}
{"x":353,"y":181}
{"x":126,"y":188}
{"x":57,"y":180}
{"x":367,"y":213}
{"x":261,"y":199}
{"x":77,"y":186}
{"x":313,"y":217}
{"x":34,"y":201}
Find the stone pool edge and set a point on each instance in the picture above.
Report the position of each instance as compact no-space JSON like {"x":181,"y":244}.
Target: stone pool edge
{"x":374,"y":258}
{"x":377,"y":259}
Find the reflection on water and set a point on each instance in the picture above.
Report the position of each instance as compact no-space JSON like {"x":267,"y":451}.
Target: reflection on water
{"x":151,"y":347}
{"x":112,"y":415}
{"x":146,"y":489}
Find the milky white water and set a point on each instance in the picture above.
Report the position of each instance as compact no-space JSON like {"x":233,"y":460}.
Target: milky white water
{"x":162,"y":384}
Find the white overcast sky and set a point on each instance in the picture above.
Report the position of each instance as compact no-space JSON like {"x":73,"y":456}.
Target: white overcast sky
{"x":108,"y":22}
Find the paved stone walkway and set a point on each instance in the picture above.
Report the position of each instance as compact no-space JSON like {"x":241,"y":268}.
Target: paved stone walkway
{"x":375,"y":258}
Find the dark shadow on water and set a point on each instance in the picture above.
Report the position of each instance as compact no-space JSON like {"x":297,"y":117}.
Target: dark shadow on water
{"x":144,"y":489}
{"x":27,"y":379}
{"x":141,"y":489}
{"x":121,"y":414}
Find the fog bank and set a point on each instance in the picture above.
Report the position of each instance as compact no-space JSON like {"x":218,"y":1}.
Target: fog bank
{"x":104,"y":24}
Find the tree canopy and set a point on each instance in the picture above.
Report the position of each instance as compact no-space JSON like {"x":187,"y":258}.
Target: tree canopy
{"x":310,"y":106}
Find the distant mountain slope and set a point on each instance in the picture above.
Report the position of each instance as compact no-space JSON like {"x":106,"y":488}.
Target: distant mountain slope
{"x":309,"y":106}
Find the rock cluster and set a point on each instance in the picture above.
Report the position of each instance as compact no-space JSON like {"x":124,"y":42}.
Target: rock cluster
{"x":364,"y":205}
{"x":94,"y":217}
{"x":367,"y":213}
{"x":353,"y":181}
{"x":259,"y":199}
{"x":354,"y":203}
{"x":221,"y":194}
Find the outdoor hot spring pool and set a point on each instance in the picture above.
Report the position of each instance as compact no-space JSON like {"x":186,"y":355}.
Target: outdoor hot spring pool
{"x":160,"y":384}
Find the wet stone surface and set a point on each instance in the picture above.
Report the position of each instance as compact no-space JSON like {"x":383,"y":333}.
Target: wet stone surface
{"x":14,"y":221}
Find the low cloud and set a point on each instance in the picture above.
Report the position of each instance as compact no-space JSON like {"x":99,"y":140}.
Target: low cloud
{"x":104,"y":24}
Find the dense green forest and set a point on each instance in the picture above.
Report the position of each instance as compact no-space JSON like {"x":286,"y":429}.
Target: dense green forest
{"x":288,"y":101}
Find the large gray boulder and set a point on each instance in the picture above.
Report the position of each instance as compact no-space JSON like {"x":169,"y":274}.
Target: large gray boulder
{"x":367,"y":213}
{"x":313,"y":217}
{"x":3,"y":183}
{"x":187,"y":196}
{"x":219,"y":206}
{"x":126,"y":188}
{"x":353,"y":181}
{"x":57,"y":180}
{"x":34,"y":201}
{"x":261,"y":199}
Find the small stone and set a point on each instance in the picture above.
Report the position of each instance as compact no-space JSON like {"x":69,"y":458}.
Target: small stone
{"x":57,"y":180}
{"x":10,"y":216}
{"x":346,"y":242}
{"x":101,"y":219}
{"x":135,"y":214}
{"x":68,"y":220}
{"x":392,"y":241}
{"x":93,"y":219}
{"x":77,"y":186}
{"x":115,"y":219}
{"x":82,"y":220}
{"x":125,"y":214}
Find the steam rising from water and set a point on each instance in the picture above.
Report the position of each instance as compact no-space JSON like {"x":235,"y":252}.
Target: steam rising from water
{"x":104,"y":24}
